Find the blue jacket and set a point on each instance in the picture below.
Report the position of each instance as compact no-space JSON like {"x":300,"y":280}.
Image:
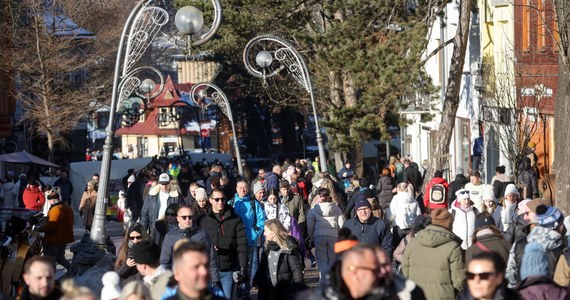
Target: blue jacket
{"x":374,"y":232}
{"x":242,"y":207}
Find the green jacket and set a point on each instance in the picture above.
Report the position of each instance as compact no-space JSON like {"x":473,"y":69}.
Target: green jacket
{"x":434,"y":260}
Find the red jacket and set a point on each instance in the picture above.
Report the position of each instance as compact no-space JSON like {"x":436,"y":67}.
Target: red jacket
{"x":33,"y":198}
{"x":431,"y":206}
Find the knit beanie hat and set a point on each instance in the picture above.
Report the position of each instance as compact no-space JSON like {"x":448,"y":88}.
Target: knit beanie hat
{"x":489,"y":194}
{"x":201,"y":194}
{"x":534,"y":261}
{"x":362,"y":202}
{"x":511,"y":189}
{"x":442,"y":217}
{"x":483,"y":219}
{"x":146,"y":252}
{"x":111,"y":289}
{"x":257,"y":187}
{"x":549,"y":217}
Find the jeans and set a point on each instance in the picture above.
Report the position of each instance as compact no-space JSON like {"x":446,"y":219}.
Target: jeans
{"x":324,"y":253}
{"x":58,"y":253}
{"x":252,"y":261}
{"x":227,"y":281}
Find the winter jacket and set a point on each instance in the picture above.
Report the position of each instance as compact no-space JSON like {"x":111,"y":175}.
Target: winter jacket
{"x":427,"y":194}
{"x":520,"y":229}
{"x":502,"y":293}
{"x":271,"y":181}
{"x":10,"y":194}
{"x":194,"y":234}
{"x":562,"y":271}
{"x":529,"y":177}
{"x":65,"y":189}
{"x":463,"y":223}
{"x":508,"y":215}
{"x":499,"y":183}
{"x":384,"y":191}
{"x":253,"y":218}
{"x":162,"y":228}
{"x":151,"y":206}
{"x":553,"y":245}
{"x":493,"y":243}
{"x":342,"y":176}
{"x":135,"y":197}
{"x":401,"y":248}
{"x":403,"y":210}
{"x":59,"y":226}
{"x":324,"y":219}
{"x":457,"y":184}
{"x":539,"y":287}
{"x":289,"y":267}
{"x":33,"y":198}
{"x":296,"y":207}
{"x":227,"y":233}
{"x":373,"y":232}
{"x":412,"y":175}
{"x":434,"y":261}
{"x":87,"y":206}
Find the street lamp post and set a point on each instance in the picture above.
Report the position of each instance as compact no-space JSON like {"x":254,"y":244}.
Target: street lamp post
{"x":220,"y":99}
{"x":141,"y":26}
{"x":290,"y":59}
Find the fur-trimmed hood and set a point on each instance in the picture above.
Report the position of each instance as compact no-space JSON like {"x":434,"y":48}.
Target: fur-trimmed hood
{"x":156,"y":189}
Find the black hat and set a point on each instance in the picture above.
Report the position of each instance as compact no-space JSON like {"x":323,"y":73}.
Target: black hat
{"x":483,"y":219}
{"x":367,"y":193}
{"x":146,"y":252}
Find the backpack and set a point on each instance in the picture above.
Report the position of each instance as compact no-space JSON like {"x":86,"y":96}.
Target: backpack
{"x":437,"y":193}
{"x":409,"y":217}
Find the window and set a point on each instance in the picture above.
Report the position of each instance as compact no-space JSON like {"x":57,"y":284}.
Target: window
{"x":526,"y":26}
{"x":540,"y":26}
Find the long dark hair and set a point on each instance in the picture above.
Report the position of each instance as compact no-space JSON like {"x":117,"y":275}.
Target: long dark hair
{"x":124,"y":250}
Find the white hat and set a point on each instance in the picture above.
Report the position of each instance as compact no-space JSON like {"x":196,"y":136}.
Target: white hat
{"x":462,"y":194}
{"x":201,"y":194}
{"x":489,"y":194}
{"x":511,"y":189}
{"x":163,"y":178}
{"x":131,"y":178}
{"x":111,"y":289}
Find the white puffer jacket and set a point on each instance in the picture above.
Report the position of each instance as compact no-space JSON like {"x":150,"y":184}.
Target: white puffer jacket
{"x":403,"y":210}
{"x":463,"y":223}
{"x":324,"y":219}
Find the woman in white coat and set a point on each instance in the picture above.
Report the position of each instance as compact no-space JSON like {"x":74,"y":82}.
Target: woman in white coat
{"x":464,"y":213}
{"x":403,"y":211}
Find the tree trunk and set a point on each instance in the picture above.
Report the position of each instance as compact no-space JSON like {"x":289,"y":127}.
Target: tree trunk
{"x":50,"y":142}
{"x":350,"y":99}
{"x":562,"y":110}
{"x":452,"y":96}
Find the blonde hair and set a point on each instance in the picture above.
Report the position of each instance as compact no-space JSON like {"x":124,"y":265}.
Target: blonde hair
{"x":71,"y":290}
{"x":136,"y":288}
{"x":281,"y":234}
{"x":328,"y":184}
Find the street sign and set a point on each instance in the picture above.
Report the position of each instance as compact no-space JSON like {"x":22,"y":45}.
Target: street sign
{"x":204,"y":133}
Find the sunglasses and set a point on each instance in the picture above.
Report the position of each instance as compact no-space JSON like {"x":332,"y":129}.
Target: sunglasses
{"x":136,"y":237}
{"x":185,"y":217}
{"x":463,"y":192}
{"x":217,"y":199}
{"x":482,"y":276}
{"x":354,"y":268}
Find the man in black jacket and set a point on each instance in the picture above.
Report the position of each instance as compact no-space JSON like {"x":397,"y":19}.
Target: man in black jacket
{"x":226,"y":230}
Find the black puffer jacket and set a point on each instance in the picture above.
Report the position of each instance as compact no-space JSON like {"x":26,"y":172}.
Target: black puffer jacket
{"x":227,"y":232}
{"x":459,"y":182}
{"x":289,"y":268}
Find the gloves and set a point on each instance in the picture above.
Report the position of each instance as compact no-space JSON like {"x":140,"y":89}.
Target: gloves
{"x":81,"y":214}
{"x":245,"y":274}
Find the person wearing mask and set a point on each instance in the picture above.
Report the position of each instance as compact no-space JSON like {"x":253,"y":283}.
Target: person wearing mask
{"x":464,"y":212}
{"x":282,"y":260}
{"x":226,"y":230}
{"x":434,"y":258}
{"x":485,"y":278}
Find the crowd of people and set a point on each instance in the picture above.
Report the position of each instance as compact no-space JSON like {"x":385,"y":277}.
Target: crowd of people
{"x":200,"y":232}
